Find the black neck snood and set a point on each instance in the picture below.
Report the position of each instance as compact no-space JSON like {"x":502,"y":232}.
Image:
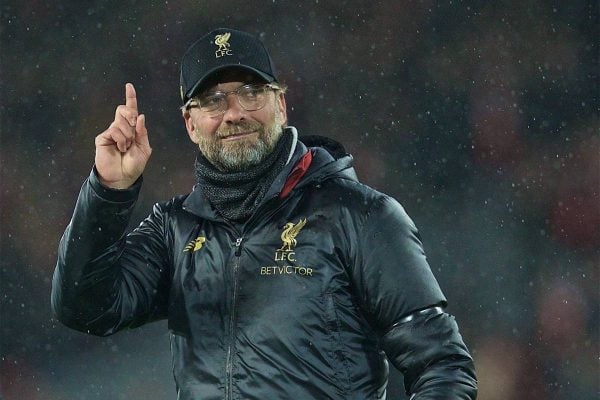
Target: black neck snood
{"x":235,"y":195}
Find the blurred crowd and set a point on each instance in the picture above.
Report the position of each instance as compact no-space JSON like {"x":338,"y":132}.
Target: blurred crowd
{"x":480,"y":117}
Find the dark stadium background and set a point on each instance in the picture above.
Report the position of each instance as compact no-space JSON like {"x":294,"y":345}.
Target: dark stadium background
{"x":480,"y":117}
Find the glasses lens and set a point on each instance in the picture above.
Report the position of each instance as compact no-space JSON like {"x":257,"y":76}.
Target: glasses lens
{"x":212,"y":102}
{"x":252,"y":97}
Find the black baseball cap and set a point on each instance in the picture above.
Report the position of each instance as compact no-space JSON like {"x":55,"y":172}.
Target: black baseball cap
{"x":222,"y":49}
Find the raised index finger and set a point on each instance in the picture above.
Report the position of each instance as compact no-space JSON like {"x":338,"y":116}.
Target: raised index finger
{"x":130,"y":96}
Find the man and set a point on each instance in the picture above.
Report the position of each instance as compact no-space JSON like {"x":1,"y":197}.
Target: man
{"x":281,"y":275}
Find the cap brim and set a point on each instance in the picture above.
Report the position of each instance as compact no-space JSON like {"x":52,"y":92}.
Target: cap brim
{"x":211,"y":73}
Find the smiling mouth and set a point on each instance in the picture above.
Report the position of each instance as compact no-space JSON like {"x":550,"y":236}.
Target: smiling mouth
{"x":238,"y":136}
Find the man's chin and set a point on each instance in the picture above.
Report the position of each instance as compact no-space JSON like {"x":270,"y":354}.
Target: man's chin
{"x":241,"y":156}
{"x":241,"y":145}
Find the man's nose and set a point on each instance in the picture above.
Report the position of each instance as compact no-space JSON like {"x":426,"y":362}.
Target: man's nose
{"x":234,"y":112}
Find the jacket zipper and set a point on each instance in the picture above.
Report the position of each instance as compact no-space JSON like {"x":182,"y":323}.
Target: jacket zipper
{"x":231,"y":346}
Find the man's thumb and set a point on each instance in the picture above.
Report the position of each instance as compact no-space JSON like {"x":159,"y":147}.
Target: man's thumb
{"x":140,"y":123}
{"x":141,"y":133}
{"x":140,"y":126}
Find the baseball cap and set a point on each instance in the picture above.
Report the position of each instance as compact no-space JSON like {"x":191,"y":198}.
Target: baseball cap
{"x":222,"y":49}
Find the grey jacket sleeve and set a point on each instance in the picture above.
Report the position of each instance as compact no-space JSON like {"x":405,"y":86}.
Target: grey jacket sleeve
{"x":395,"y":282}
{"x":106,"y":280}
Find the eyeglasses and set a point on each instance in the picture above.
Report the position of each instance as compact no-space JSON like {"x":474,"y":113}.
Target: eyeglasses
{"x":250,"y":97}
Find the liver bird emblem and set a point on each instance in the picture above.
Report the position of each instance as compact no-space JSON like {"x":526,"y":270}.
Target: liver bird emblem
{"x":288,"y":236}
{"x":223,"y":41}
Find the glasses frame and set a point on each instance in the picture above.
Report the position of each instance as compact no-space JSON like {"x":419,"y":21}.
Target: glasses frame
{"x":194,"y":102}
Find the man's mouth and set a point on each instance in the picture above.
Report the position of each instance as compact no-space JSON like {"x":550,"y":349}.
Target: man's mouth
{"x":237,"y":136}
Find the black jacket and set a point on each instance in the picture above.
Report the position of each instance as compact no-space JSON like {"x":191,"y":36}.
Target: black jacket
{"x":308,"y":299}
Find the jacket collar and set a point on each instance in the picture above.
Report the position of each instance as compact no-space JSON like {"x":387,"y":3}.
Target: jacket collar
{"x":198,"y":204}
{"x":329,"y":159}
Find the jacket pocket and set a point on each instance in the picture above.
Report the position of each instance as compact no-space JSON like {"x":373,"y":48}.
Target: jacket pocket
{"x":336,"y":353}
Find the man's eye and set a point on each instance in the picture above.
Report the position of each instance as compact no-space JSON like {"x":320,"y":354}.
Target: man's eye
{"x":210,"y":101}
{"x":251,"y":93}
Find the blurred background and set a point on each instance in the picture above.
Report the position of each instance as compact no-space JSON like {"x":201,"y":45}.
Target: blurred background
{"x":480,"y":117}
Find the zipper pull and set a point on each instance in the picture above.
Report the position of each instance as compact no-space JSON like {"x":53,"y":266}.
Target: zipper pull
{"x":238,"y":245}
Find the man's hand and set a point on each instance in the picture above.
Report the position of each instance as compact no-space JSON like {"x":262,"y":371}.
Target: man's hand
{"x":122,"y":150}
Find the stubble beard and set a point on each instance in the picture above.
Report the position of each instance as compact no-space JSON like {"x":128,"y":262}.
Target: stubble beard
{"x":241,"y":154}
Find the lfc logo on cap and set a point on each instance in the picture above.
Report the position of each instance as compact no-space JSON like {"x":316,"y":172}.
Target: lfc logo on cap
{"x":224,"y":47}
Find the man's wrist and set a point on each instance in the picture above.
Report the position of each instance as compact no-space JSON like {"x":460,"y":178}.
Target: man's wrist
{"x":113,"y":194}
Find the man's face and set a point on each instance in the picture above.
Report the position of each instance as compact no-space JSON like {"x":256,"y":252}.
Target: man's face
{"x":237,"y":139}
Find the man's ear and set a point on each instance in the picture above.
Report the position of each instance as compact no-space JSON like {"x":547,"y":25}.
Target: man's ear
{"x":189,"y":126}
{"x":282,"y":108}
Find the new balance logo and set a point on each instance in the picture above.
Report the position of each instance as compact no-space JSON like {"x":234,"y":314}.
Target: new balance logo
{"x":195,"y":244}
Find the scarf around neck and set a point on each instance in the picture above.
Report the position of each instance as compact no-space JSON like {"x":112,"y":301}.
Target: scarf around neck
{"x":235,"y":195}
